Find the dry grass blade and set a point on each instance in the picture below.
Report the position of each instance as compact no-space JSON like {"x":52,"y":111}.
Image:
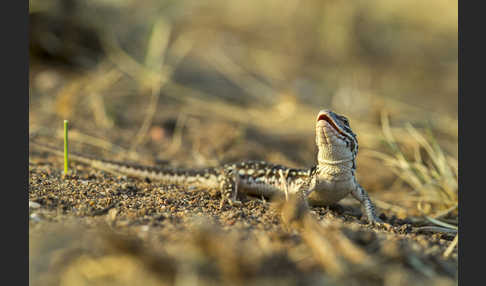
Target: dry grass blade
{"x":451,"y":247}
{"x":239,"y":76}
{"x":435,"y":229}
{"x":384,"y":205}
{"x":441,"y":223}
{"x":431,"y":174}
{"x":176,"y":142}
{"x":154,"y":60}
{"x":156,"y":71}
{"x":324,"y":251}
{"x":96,"y":85}
{"x":334,"y":251}
{"x":152,"y":108}
{"x":158,"y":43}
{"x":446,"y":212}
{"x":123,"y":60}
{"x":296,"y":216}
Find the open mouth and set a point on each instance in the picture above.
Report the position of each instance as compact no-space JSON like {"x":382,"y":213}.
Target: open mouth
{"x":326,"y":118}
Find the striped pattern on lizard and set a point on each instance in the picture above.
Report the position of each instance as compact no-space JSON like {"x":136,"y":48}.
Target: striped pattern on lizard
{"x":332,"y":179}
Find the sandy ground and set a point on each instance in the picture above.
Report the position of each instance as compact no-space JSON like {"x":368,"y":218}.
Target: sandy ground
{"x":93,"y":228}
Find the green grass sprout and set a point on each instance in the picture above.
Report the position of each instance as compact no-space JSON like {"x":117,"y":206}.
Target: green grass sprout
{"x":66,"y":157}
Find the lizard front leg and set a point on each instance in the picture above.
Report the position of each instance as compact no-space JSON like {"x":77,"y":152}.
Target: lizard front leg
{"x":229,"y":187}
{"x":362,"y":196}
{"x":296,"y":207}
{"x":302,"y":194}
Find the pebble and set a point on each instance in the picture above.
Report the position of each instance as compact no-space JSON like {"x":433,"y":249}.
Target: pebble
{"x":34,"y":205}
{"x":36,"y":217}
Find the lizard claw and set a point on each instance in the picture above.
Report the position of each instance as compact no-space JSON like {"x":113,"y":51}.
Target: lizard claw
{"x":376,"y":221}
{"x":231,"y":203}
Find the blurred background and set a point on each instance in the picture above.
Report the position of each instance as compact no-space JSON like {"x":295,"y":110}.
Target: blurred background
{"x":197,"y":83}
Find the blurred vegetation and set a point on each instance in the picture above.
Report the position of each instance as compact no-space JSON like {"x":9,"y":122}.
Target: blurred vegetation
{"x":324,"y":52}
{"x":268,"y":66}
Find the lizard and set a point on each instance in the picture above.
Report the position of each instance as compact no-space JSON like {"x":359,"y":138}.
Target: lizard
{"x":327,"y":182}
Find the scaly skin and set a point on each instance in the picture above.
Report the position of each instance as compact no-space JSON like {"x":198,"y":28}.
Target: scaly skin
{"x":326,"y":183}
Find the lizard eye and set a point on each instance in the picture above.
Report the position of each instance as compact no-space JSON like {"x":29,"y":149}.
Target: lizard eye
{"x":344,"y":120}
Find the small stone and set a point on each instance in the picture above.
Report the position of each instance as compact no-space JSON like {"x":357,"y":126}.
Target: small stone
{"x":34,"y":205}
{"x":36,"y":217}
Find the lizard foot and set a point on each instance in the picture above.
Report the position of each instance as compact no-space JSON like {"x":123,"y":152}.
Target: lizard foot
{"x":231,"y":203}
{"x":376,"y":221}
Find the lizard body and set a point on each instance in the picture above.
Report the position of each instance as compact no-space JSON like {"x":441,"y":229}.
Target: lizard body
{"x":326,"y":183}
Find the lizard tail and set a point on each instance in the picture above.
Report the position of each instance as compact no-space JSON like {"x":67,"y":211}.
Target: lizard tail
{"x":205,"y":177}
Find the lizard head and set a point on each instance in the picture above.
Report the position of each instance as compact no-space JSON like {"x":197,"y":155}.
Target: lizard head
{"x":334,"y":138}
